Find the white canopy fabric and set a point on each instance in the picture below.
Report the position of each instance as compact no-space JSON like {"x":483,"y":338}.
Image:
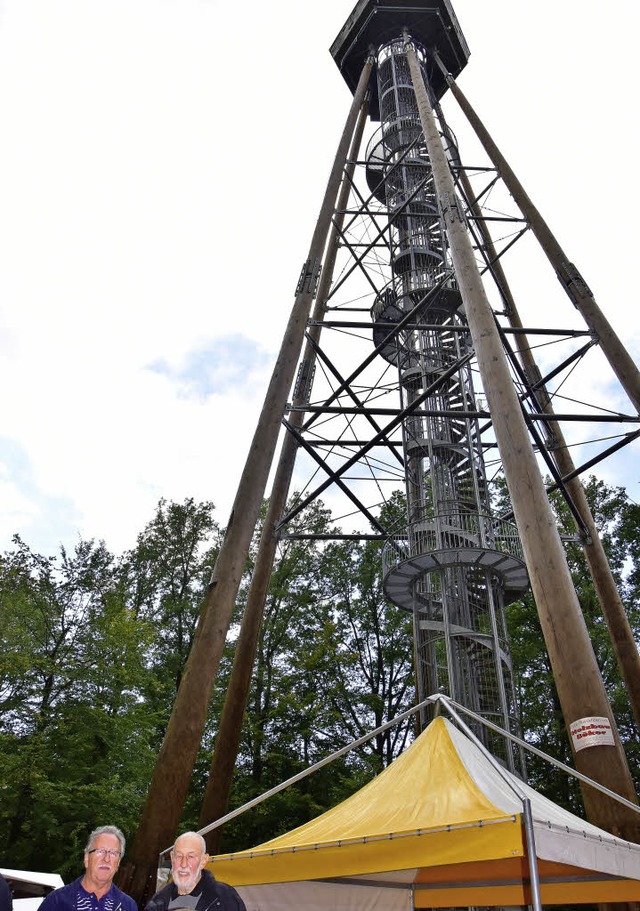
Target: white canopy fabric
{"x":440,"y":827}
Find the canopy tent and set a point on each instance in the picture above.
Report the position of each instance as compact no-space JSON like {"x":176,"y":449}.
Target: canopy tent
{"x":440,"y":827}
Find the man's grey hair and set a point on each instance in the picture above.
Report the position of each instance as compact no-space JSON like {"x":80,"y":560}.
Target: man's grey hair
{"x":197,"y":835}
{"x":106,"y":830}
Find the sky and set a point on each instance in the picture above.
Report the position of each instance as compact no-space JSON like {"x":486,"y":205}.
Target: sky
{"x":162,"y":163}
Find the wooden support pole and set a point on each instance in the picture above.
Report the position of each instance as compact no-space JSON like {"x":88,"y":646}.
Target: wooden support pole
{"x":216,"y":797}
{"x":169,"y":785}
{"x":570,"y":278}
{"x":613,"y":609}
{"x":577,"y":677}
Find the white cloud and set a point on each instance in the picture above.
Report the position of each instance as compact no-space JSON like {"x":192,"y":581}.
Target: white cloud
{"x":223,"y":365}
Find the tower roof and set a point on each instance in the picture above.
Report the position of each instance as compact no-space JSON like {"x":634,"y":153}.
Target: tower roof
{"x":372,"y":23}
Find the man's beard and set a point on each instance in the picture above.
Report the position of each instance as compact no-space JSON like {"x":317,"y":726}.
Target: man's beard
{"x":187,"y":883}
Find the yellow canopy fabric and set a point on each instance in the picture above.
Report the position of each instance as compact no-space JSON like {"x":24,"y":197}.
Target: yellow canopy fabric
{"x":439,"y":827}
{"x":402,"y":798}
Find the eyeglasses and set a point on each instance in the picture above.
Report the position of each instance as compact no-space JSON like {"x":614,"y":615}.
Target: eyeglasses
{"x":105,"y":852}
{"x":188,"y":858}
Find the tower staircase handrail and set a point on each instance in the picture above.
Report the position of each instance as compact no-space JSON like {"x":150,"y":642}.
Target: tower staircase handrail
{"x":424,"y":532}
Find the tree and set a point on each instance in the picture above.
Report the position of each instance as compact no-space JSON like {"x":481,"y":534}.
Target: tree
{"x":164,"y":578}
{"x":91,"y":649}
{"x":72,"y":681}
{"x":372,"y":678}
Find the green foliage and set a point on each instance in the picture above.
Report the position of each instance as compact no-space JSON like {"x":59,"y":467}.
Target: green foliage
{"x":91,"y":651}
{"x":165,"y":577}
{"x":71,"y":688}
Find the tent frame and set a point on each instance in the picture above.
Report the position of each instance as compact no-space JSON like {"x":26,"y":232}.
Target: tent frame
{"x":452,"y":708}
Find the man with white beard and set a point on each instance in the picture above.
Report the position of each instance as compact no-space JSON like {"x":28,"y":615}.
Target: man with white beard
{"x":194,"y":888}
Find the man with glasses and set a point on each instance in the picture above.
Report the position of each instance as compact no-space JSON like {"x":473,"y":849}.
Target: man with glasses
{"x":193,"y":887}
{"x":95,"y":890}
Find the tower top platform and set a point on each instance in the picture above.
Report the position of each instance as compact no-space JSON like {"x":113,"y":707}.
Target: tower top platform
{"x":373,"y":23}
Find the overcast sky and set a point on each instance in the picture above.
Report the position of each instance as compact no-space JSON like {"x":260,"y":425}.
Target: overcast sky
{"x":161,"y":167}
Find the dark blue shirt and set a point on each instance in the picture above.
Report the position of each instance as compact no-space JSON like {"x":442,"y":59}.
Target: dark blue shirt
{"x":6,"y":899}
{"x":75,"y":897}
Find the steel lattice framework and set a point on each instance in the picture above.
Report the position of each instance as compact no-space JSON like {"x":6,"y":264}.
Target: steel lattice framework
{"x":390,"y":397}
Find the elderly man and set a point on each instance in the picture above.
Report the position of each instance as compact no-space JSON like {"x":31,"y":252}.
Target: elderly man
{"x":95,"y":890}
{"x":193,"y":886}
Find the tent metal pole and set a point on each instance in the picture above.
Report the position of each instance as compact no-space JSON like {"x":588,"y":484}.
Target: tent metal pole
{"x":485,"y":752}
{"x":531,"y":855}
{"x":313,"y":768}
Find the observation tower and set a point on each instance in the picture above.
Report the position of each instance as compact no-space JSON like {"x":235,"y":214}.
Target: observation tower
{"x":405,"y":366}
{"x":411,"y":375}
{"x":454,"y":565}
